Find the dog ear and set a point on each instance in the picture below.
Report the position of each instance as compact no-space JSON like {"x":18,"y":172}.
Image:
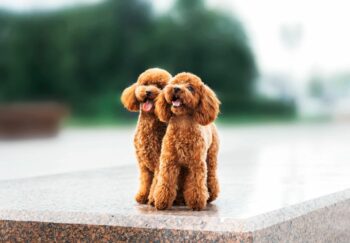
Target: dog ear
{"x":162,"y":108}
{"x":129,"y":100}
{"x":208,"y":107}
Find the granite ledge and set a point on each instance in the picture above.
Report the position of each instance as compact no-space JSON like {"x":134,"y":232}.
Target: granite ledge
{"x":325,"y":219}
{"x":20,"y":231}
{"x":96,"y":206}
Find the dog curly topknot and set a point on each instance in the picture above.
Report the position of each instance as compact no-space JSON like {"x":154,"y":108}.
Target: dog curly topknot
{"x":150,"y":131}
{"x":190,"y":145}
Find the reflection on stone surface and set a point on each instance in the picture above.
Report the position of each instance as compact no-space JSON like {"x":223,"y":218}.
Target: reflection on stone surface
{"x":210,"y":210}
{"x":266,"y":175}
{"x":260,"y":169}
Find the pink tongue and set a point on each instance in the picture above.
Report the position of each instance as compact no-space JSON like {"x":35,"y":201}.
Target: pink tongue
{"x":147,"y":106}
{"x":176,"y":103}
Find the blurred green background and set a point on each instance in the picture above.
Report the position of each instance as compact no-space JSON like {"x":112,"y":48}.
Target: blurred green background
{"x":85,"y":56}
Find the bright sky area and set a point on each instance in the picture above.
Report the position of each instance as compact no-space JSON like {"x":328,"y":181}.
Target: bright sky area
{"x":293,"y":37}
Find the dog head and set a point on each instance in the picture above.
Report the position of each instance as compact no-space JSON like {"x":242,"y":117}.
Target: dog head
{"x":186,"y":94}
{"x":141,"y":95}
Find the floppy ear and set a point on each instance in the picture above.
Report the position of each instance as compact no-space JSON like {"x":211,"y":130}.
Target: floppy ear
{"x":162,"y":108}
{"x":129,"y":100}
{"x":208,"y":107}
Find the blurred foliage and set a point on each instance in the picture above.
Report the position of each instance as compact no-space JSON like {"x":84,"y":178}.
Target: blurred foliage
{"x":86,"y":56}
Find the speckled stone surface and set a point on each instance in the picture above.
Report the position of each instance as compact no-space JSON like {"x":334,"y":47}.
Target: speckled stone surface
{"x":98,"y":206}
{"x":285,"y":183}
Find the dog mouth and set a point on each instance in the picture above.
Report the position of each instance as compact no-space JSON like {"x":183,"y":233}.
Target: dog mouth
{"x":147,"y":105}
{"x":176,"y":102}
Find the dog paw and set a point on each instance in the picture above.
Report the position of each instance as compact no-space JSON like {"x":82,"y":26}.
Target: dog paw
{"x":141,"y":198}
{"x":162,"y":198}
{"x":195,"y":200}
{"x":161,"y":205}
{"x":197,"y":204}
{"x":212,"y":196}
{"x":213,"y":189}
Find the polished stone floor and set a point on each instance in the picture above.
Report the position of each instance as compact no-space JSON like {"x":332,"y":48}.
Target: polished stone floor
{"x":262,"y":168}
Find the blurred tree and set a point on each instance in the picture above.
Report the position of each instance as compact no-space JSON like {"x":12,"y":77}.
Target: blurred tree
{"x":86,"y":56}
{"x":211,"y":45}
{"x":79,"y":56}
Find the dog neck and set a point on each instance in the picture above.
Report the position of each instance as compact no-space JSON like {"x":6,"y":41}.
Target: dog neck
{"x":183,"y":120}
{"x":149,"y":119}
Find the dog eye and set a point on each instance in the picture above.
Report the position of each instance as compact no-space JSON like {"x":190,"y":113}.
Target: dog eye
{"x":159,"y":86}
{"x":190,"y":88}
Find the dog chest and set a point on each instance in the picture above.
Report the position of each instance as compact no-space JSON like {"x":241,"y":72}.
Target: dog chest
{"x":187,"y":144}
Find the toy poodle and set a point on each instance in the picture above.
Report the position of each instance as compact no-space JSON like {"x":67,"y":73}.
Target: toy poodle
{"x":190,"y":145}
{"x":140,"y":97}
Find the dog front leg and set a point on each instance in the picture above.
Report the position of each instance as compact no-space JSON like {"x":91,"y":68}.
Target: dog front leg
{"x":146,"y":177}
{"x":153,"y":186}
{"x":165,"y":190}
{"x":195,"y":188}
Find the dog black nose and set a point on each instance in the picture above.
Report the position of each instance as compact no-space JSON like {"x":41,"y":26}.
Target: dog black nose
{"x":148,"y":93}
{"x":176,"y":89}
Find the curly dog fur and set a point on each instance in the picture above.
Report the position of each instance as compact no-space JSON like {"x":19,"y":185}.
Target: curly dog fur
{"x":190,"y":145}
{"x":140,"y":97}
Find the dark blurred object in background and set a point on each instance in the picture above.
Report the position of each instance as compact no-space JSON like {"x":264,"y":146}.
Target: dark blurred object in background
{"x":85,"y":56}
{"x":30,"y":120}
